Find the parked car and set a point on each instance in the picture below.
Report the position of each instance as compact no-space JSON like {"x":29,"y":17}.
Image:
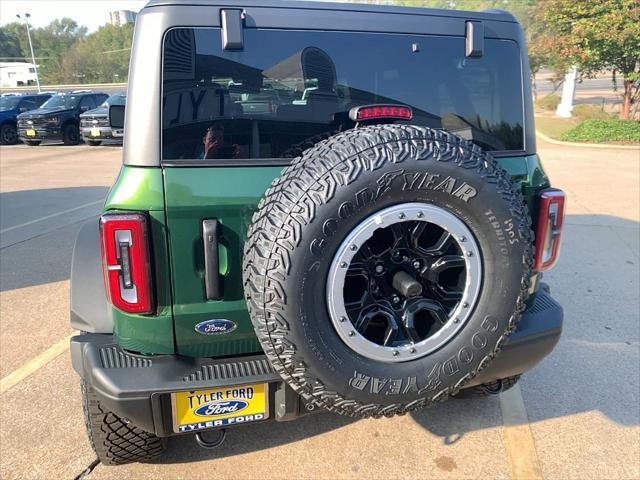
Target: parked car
{"x":58,"y":118}
{"x":13,"y":105}
{"x":366,"y":247}
{"x":94,"y":124}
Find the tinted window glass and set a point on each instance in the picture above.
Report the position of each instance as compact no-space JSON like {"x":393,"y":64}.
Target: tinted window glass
{"x":9,"y":103}
{"x":117,"y":99}
{"x":29,"y":104}
{"x":88,"y":102}
{"x":40,"y":100}
{"x":288,"y":86}
{"x":62,"y":101}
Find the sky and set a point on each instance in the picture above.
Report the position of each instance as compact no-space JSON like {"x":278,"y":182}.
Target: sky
{"x":91,"y":13}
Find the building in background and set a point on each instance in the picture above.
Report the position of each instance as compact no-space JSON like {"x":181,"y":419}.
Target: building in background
{"x":121,"y":17}
{"x":16,"y":74}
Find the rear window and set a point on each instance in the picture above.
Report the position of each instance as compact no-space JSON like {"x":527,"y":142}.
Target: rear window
{"x":287,"y":87}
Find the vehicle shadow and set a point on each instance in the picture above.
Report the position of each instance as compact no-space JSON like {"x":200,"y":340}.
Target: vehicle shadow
{"x":595,"y":367}
{"x":38,"y":229}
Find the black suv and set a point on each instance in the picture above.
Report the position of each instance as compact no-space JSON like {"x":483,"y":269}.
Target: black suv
{"x":94,"y":124}
{"x":58,"y":118}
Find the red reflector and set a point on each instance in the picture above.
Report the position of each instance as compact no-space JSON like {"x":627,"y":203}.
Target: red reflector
{"x":126,"y":262}
{"x":372,"y":112}
{"x":549,"y":229}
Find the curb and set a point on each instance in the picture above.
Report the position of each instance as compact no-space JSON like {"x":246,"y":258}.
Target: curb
{"x":588,"y":145}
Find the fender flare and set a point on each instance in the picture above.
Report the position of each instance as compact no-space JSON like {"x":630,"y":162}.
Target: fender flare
{"x":90,"y":310}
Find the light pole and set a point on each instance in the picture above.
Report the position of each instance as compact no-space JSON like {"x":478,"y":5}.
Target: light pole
{"x":33,"y":57}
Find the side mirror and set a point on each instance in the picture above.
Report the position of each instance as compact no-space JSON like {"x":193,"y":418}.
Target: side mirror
{"x":116,"y":116}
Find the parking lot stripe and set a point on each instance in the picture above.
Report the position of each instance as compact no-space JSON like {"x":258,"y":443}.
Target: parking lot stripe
{"x":34,"y":364}
{"x":521,"y":449}
{"x":31,"y":222}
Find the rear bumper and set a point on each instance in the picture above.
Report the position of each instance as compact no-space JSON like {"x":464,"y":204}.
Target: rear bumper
{"x":138,"y":387}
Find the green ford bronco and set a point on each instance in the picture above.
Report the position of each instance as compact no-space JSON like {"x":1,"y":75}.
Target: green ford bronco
{"x":321,"y":207}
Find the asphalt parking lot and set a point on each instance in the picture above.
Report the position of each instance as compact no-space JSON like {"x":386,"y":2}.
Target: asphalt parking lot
{"x":576,"y":416}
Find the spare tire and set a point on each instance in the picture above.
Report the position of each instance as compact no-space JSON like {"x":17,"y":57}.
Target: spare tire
{"x":386,"y":267}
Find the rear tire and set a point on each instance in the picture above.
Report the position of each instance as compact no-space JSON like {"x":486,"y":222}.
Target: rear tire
{"x":71,"y":135}
{"x":8,"y":135}
{"x":114,"y":440}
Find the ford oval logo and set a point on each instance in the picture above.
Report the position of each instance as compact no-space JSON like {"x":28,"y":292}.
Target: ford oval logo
{"x":215,"y":327}
{"x":221,"y":408}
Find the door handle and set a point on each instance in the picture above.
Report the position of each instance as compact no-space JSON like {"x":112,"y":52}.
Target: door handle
{"x":212,"y":281}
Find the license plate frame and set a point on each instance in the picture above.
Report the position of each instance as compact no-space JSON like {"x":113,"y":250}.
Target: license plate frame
{"x":184,"y":405}
{"x":31,"y":132}
{"x":95,"y":132}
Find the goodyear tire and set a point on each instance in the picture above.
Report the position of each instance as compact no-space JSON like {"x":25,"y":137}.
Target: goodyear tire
{"x":114,"y":440}
{"x":386,"y":267}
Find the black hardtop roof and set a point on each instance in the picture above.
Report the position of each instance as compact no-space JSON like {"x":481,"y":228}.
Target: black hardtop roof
{"x":493,"y":14}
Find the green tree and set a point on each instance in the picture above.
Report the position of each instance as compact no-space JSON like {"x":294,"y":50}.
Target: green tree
{"x":13,"y":40}
{"x":50,"y":45}
{"x":53,"y":42}
{"x":102,"y":56}
{"x":596,"y":36}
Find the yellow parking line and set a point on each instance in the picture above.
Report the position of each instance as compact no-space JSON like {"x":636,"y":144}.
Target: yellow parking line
{"x":34,"y":364}
{"x":518,"y":439}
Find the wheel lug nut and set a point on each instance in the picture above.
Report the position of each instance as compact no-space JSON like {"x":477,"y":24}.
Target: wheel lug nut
{"x":416,"y":264}
{"x":379,"y":268}
{"x":456,"y":320}
{"x":465,"y":305}
{"x":343,"y":264}
{"x":469,"y":254}
{"x":353,"y":247}
{"x":463,"y":239}
{"x":352,"y":333}
{"x":420,"y":214}
{"x":395,"y":299}
{"x":343,"y":319}
{"x":401,"y":216}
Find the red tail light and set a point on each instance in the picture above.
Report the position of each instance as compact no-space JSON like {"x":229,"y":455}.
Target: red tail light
{"x":549,"y":229}
{"x":126,"y":262}
{"x":373,"y":112}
